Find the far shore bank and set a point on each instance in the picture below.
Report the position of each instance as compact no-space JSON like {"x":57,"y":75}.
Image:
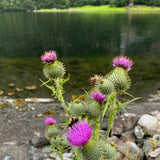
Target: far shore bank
{"x":105,"y":8}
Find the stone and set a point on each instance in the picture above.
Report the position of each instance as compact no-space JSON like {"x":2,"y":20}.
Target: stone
{"x":39,"y":141}
{"x":139,"y":133}
{"x":53,"y":155}
{"x":155,"y":153}
{"x":131,"y":150}
{"x":37,"y":157}
{"x":119,"y":156}
{"x":124,"y":123}
{"x":7,"y":158}
{"x":32,"y":150}
{"x":149,"y":124}
{"x":154,"y":113}
{"x":151,"y":144}
{"x":128,"y":136}
{"x":10,"y":143}
{"x":130,"y":121}
{"x":116,"y":140}
{"x":117,"y":127}
{"x":104,"y":124}
{"x":66,"y":156}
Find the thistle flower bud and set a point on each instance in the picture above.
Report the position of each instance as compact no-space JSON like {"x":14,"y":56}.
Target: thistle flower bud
{"x":105,"y":86}
{"x":109,"y":152}
{"x":57,"y":141}
{"x":94,"y":110}
{"x":92,"y":151}
{"x":120,"y":79}
{"x":78,"y":109}
{"x":51,"y":131}
{"x":53,"y":70}
{"x":97,"y":150}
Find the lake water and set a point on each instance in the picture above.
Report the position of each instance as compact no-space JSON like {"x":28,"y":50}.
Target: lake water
{"x":85,"y":42}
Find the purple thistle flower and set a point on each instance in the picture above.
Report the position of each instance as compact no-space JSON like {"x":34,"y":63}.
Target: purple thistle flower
{"x":123,"y":62}
{"x":49,"y":57}
{"x":49,"y":121}
{"x":98,"y":97}
{"x":79,"y":134}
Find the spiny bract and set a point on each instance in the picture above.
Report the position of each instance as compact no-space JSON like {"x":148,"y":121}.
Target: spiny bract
{"x":57,"y":141}
{"x":53,"y":70}
{"x":92,"y":151}
{"x":78,"y":109}
{"x":120,"y":79}
{"x":109,"y":152}
{"x":51,"y":131}
{"x":94,"y":110}
{"x":105,"y":86}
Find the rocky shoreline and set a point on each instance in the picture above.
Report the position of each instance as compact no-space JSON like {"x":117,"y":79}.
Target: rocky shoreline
{"x":22,"y":130}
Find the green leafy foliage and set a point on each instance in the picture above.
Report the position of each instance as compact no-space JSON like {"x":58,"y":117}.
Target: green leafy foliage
{"x":21,"y":5}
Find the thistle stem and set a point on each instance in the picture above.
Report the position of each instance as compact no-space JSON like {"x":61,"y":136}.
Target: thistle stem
{"x":77,"y":153}
{"x":60,"y":96}
{"x":112,"y":110}
{"x":60,"y":153}
{"x":96,"y":124}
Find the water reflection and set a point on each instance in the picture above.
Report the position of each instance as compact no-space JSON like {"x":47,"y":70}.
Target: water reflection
{"x":86,"y":42}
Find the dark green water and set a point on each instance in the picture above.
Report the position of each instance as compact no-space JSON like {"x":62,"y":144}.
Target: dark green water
{"x":85,"y":42}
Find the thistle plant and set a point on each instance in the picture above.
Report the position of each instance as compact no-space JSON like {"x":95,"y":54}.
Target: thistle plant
{"x":83,"y":133}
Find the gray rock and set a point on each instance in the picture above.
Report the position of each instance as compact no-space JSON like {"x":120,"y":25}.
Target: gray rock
{"x":124,"y":123}
{"x":151,"y":144}
{"x":119,"y":156}
{"x":46,"y":150}
{"x":131,"y":150}
{"x":118,"y":126}
{"x":32,"y":150}
{"x":7,"y":158}
{"x":116,"y":140}
{"x":130,"y":121}
{"x":104,"y":124}
{"x":149,"y":124}
{"x":139,"y":133}
{"x":155,"y":113}
{"x":53,"y":155}
{"x":155,"y":153}
{"x":128,"y":136}
{"x":39,"y":141}
{"x":66,"y":156}
{"x":10,"y":143}
{"x":37,"y":157}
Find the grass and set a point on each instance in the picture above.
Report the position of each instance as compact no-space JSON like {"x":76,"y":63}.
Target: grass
{"x":104,"y":8}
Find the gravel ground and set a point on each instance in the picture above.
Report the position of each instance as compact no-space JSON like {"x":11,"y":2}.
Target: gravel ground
{"x":19,"y":123}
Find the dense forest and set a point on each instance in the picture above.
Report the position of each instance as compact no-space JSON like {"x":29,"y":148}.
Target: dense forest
{"x":23,"y":5}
